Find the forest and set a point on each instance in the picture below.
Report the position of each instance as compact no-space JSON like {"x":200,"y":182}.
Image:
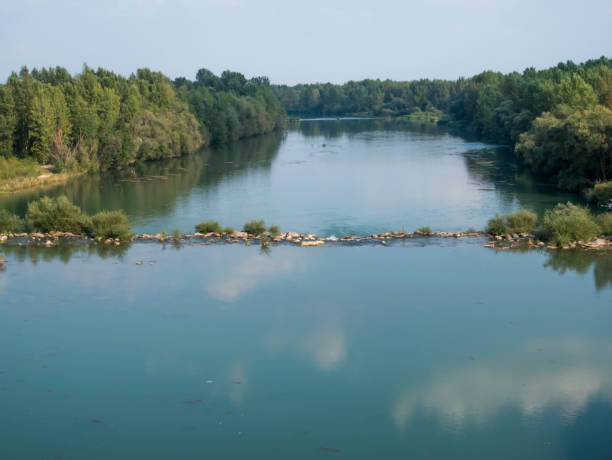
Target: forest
{"x":558,"y":120}
{"x":99,"y":120}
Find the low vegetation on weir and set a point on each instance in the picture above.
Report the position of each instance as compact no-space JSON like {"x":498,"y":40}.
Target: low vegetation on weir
{"x":519,"y":222}
{"x":60,"y":215}
{"x":563,"y":226}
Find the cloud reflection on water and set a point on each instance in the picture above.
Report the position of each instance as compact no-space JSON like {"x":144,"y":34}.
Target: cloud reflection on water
{"x":250,"y":272}
{"x":544,"y":374}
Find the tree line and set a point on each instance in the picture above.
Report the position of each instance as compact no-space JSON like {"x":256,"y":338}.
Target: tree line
{"x":559,"y":120}
{"x":101,"y":120}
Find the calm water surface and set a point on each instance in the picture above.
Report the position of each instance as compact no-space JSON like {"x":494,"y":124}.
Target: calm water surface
{"x":444,"y":351}
{"x":322,"y":176}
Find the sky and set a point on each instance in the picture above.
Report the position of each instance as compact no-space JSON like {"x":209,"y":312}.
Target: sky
{"x":304,"y":41}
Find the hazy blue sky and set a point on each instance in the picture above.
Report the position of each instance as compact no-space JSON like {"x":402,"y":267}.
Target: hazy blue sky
{"x":304,"y":41}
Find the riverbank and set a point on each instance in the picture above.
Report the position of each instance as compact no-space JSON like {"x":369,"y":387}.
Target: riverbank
{"x":47,"y":179}
{"x":499,"y":243}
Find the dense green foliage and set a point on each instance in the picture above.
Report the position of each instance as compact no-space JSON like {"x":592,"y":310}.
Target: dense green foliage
{"x":60,"y":215}
{"x":497,"y":226}
{"x":110,"y":224}
{"x":605,"y":224}
{"x":95,"y":120}
{"x":100,"y":120}
{"x":567,"y":223}
{"x":15,"y":168}
{"x":10,"y":223}
{"x":522,"y":221}
{"x":274,"y":230}
{"x":230,"y":106}
{"x":57,"y":214}
{"x":560,"y":119}
{"x":208,"y":227}
{"x":255,"y":227}
{"x":601,"y":192}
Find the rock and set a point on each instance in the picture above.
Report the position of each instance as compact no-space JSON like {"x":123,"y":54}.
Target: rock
{"x":515,"y":236}
{"x":241,"y":235}
{"x":3,"y":238}
{"x":292,"y":235}
{"x":312,"y":243}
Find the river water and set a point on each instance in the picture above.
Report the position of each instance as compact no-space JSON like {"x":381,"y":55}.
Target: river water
{"x":442,"y":350}
{"x":425,"y":348}
{"x":329,"y":177}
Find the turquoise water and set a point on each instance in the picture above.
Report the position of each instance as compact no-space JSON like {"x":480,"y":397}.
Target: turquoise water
{"x":441,"y":349}
{"x":329,"y":177}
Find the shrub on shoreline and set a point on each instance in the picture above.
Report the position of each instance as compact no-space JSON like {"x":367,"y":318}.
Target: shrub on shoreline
{"x":60,"y":215}
{"x":57,"y":214}
{"x":110,"y":224}
{"x":10,"y":223}
{"x":208,"y":227}
{"x":274,"y":230}
{"x":424,"y":230}
{"x":522,"y":221}
{"x":600,"y":192}
{"x":255,"y":227}
{"x":605,"y":224}
{"x":566,"y":223}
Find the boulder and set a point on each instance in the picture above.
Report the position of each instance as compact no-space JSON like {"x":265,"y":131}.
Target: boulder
{"x":312,"y":243}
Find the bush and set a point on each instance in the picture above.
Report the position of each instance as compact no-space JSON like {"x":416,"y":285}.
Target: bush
{"x":255,"y":227}
{"x":58,"y":214}
{"x":567,"y":223}
{"x":600,"y":193}
{"x":176,"y":234}
{"x":605,"y":223}
{"x":10,"y":223}
{"x":497,"y":226}
{"x":15,"y":168}
{"x":274,"y":230}
{"x":110,"y":224}
{"x":208,"y":227}
{"x":227,"y":230}
{"x":424,"y":230}
{"x":522,"y":221}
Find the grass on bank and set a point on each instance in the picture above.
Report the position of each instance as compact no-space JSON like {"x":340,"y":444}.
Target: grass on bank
{"x":13,"y":168}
